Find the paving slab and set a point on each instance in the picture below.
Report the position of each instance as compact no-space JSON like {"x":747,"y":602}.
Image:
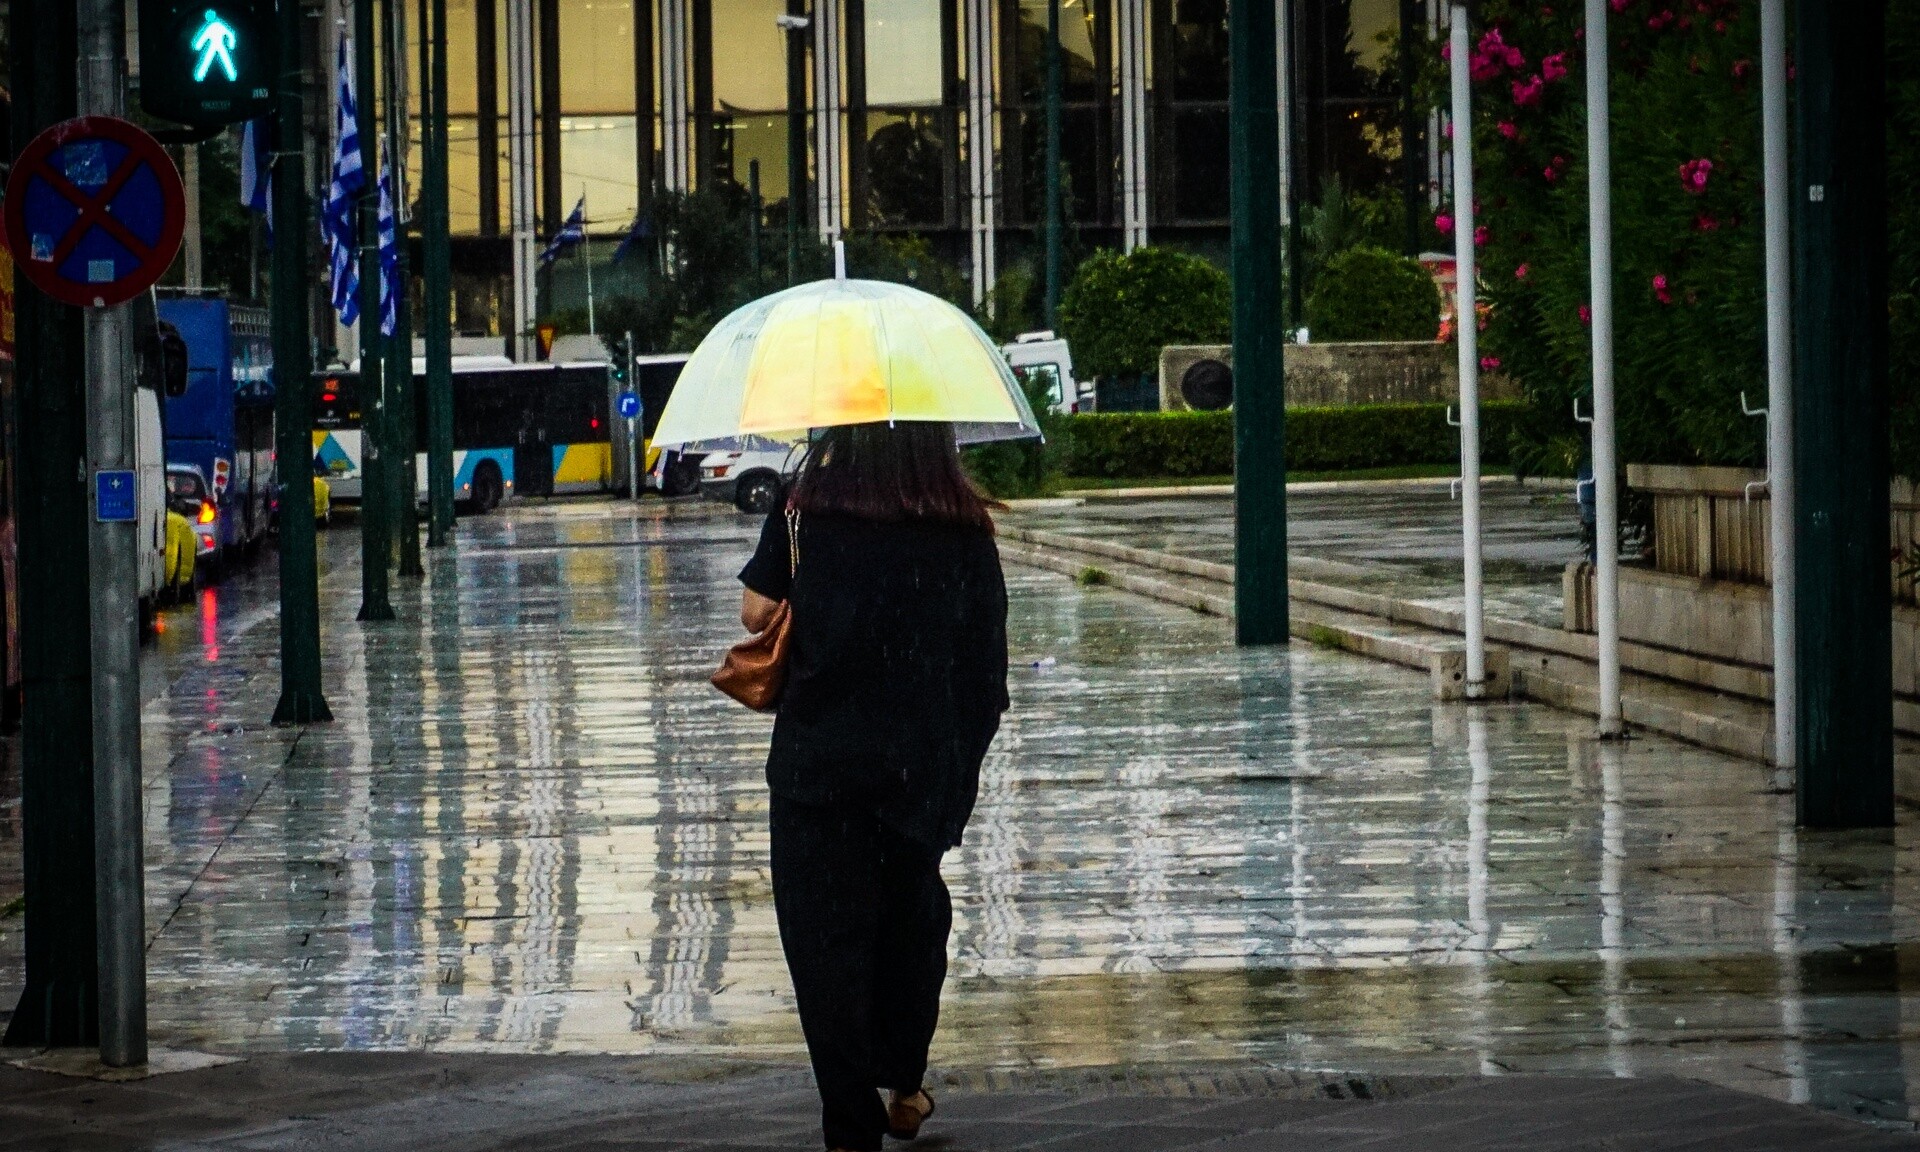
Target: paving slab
{"x":435,"y":1103}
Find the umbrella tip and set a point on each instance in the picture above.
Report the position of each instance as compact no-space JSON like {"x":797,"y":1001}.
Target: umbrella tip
{"x":839,"y":259}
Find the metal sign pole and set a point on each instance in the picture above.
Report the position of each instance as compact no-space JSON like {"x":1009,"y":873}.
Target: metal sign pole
{"x":113,"y":548}
{"x":1773,"y":119}
{"x":633,"y":460}
{"x":1606,"y":503}
{"x":1466,"y":330}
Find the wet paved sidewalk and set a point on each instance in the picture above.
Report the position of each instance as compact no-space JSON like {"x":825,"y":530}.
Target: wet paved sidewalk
{"x":1399,"y":538}
{"x":431,"y":1103}
{"x":534,"y":829}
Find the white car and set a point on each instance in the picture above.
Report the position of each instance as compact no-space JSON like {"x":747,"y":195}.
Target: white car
{"x":751,"y":473}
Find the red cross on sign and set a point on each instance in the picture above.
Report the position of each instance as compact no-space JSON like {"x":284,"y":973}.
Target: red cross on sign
{"x":94,"y":211}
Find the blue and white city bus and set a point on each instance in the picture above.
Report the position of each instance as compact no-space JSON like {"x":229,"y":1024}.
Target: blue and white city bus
{"x":532,"y":429}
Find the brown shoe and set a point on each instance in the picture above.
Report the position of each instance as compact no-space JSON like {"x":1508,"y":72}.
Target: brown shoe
{"x":905,"y":1114}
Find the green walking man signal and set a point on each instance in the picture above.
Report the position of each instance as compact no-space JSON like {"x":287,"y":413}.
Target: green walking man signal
{"x":206,"y":64}
{"x":215,"y":43}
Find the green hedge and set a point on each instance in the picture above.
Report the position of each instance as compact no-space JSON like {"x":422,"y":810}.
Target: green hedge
{"x":1128,"y":445}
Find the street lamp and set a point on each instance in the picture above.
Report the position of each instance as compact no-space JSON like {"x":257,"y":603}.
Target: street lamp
{"x":794,"y":23}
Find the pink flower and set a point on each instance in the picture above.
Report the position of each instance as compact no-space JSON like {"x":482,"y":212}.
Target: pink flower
{"x":1489,"y":363}
{"x":1527,"y":92}
{"x":1620,"y":5}
{"x":1508,"y":129}
{"x":1706,"y":223}
{"x":1554,"y":168}
{"x":1443,"y":224}
{"x":1447,"y":129}
{"x":1660,"y":19}
{"x":1694,"y":174}
{"x":1480,"y":236}
{"x":1520,"y":273}
{"x":1586,"y":314}
{"x":1446,"y":50}
{"x":1660,"y":291}
{"x":1741,"y":68}
{"x":1554,"y":67}
{"x":1493,"y":55}
{"x":1720,"y":26}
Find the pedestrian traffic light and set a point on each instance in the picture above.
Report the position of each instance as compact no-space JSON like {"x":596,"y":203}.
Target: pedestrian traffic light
{"x":206,"y":62}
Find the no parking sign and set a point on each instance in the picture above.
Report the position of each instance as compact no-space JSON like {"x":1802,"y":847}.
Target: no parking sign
{"x":94,"y":212}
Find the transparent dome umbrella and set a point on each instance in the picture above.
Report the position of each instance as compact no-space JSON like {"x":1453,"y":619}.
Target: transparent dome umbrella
{"x":844,"y":352}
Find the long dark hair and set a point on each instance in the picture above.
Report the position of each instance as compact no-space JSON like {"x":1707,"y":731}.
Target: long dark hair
{"x":890,"y":472}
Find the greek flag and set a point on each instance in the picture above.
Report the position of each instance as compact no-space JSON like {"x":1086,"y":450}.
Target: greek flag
{"x":336,"y":215}
{"x":572,"y":232}
{"x":389,"y":257}
{"x":256,"y":177}
{"x":639,"y":230}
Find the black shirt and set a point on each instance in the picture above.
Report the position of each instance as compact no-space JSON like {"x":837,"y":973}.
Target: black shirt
{"x":897,"y":673}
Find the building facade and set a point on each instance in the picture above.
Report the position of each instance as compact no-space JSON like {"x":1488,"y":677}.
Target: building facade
{"x":923,"y":116}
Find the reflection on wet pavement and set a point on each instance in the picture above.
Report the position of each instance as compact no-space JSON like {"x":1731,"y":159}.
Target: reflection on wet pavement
{"x":534,"y":827}
{"x":1400,"y":539}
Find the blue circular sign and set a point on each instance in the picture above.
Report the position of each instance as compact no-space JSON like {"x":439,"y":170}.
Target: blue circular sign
{"x":629,"y":405}
{"x":94,"y":211}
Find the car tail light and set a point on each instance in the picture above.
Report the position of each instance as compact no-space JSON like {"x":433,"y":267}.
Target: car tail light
{"x":207,"y":512}
{"x":718,"y":470}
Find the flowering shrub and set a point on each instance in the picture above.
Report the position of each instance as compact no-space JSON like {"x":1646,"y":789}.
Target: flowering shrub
{"x":1689,"y":293}
{"x":1688,"y":271}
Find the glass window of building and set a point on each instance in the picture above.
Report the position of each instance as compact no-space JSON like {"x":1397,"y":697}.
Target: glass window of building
{"x":596,"y":57}
{"x":1188,"y":164}
{"x":1086,"y":128}
{"x":903,"y":49}
{"x":902,"y":159}
{"x":749,"y":56}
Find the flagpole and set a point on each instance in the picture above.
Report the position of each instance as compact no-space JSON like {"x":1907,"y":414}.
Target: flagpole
{"x":586,"y":245}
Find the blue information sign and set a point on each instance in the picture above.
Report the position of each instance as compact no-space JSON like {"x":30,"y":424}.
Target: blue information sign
{"x":116,"y":497}
{"x":629,"y":405}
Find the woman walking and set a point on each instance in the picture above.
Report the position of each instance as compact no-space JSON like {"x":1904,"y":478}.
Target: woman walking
{"x":896,"y":680}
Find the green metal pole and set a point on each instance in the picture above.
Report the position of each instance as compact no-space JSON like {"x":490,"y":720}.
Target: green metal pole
{"x":753,"y":220}
{"x":1412,"y":158}
{"x":402,"y":421}
{"x":796,"y":25}
{"x":1843,"y":616}
{"x":376,"y":537}
{"x":301,"y":700}
{"x":58,"y":1006}
{"x":1259,"y":386}
{"x":438,"y":301}
{"x":1055,"y":222}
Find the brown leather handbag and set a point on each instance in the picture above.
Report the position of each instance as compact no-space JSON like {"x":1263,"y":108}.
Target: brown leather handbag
{"x":755,"y":669}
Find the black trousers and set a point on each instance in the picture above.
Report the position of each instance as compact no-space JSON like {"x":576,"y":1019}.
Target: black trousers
{"x":864,"y":918}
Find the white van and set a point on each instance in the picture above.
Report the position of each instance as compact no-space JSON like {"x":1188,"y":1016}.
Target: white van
{"x":1042,"y":356}
{"x":150,"y":464}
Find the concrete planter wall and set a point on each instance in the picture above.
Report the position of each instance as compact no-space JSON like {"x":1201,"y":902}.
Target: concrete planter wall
{"x":1707,"y":593}
{"x":1340,"y":375}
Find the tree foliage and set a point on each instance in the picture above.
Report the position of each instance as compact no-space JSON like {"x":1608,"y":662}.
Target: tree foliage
{"x":1369,"y":293}
{"x":1119,"y":310}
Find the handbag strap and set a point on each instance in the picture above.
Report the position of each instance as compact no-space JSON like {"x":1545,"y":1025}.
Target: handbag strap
{"x":793,"y":541}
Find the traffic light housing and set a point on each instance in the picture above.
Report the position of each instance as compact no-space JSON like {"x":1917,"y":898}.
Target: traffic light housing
{"x":206,"y":62}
